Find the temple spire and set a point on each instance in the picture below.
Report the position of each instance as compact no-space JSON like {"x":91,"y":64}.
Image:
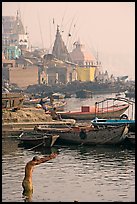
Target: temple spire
{"x":59,"y":49}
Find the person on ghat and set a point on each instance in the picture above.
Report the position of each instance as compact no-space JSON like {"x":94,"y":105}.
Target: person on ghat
{"x":55,"y":115}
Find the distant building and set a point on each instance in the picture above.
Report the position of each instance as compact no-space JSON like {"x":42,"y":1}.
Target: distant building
{"x":11,"y":52}
{"x":12,"y":100}
{"x":88,"y":66}
{"x":22,"y":75}
{"x":57,"y":71}
{"x":59,"y":48}
{"x":13,"y":34}
{"x":58,"y":66}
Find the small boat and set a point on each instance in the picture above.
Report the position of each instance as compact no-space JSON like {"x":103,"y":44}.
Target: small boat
{"x":113,"y":122}
{"x":58,"y":95}
{"x":130,"y":94}
{"x":68,"y":95}
{"x":113,"y":111}
{"x":87,"y":134}
{"x":84,"y":93}
{"x":90,"y":112}
{"x":123,"y":119}
{"x":34,"y":138}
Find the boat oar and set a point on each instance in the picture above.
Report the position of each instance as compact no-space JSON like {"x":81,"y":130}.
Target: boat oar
{"x":36,"y":146}
{"x":21,"y":135}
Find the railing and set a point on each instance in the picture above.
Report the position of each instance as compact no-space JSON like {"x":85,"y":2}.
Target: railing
{"x":107,"y":107}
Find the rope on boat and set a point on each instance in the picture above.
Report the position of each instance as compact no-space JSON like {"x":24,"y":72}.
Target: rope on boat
{"x":36,"y":146}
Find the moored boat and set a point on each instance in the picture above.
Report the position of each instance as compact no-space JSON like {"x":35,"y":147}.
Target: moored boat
{"x":88,"y":135}
{"x":34,"y":138}
{"x":107,"y":112}
{"x":106,"y":108}
{"x":122,"y":119}
{"x":58,"y":95}
{"x":84,"y":93}
{"x":130,"y":93}
{"x":113,"y":122}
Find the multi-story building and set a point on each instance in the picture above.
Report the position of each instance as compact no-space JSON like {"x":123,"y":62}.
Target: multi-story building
{"x":13,"y":35}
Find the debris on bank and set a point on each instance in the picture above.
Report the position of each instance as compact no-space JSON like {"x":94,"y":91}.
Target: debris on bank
{"x":25,"y":115}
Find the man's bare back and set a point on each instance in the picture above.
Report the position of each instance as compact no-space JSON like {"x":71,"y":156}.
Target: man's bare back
{"x":27,"y":181}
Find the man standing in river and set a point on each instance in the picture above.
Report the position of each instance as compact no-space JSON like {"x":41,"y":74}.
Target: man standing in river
{"x":27,"y":181}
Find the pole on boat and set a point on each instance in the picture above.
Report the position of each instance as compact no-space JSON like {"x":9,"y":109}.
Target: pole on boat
{"x":107,"y":107}
{"x":102,"y":109}
{"x":96,"y":109}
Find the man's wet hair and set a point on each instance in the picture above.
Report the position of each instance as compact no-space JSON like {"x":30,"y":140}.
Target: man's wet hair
{"x":36,"y":158}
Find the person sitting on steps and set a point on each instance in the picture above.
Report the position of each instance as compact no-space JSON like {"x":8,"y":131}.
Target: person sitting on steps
{"x":55,"y":115}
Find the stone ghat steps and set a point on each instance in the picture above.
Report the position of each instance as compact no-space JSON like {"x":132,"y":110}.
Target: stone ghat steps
{"x":18,"y":127}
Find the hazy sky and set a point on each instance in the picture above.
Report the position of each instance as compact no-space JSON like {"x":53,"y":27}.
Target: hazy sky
{"x":106,"y":27}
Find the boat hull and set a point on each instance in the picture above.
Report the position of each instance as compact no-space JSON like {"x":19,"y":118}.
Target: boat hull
{"x":114,"y":122}
{"x":89,"y":135}
{"x":37,"y":139}
{"x":107,"y":113}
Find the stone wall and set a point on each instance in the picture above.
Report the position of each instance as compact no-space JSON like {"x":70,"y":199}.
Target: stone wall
{"x":23,"y":77}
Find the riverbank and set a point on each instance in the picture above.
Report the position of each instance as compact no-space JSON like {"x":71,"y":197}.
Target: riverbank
{"x":25,"y":118}
{"x":30,"y":114}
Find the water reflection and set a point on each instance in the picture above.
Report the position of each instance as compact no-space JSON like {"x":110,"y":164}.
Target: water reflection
{"x":9,"y":145}
{"x":88,"y":173}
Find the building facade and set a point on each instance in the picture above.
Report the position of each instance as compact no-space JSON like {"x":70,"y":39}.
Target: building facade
{"x":14,"y":36}
{"x":59,"y":72}
{"x":88,"y":66}
{"x":58,"y":66}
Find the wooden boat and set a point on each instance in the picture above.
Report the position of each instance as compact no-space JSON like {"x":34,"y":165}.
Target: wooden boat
{"x":67,"y":95}
{"x":130,"y":94}
{"x":34,"y":138}
{"x":84,"y":93}
{"x":90,"y":112}
{"x":88,"y":135}
{"x":113,"y":111}
{"x":113,"y":122}
{"x":123,"y":119}
{"x":58,"y":95}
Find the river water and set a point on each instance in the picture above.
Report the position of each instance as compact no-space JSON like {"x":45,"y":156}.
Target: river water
{"x":78,"y":173}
